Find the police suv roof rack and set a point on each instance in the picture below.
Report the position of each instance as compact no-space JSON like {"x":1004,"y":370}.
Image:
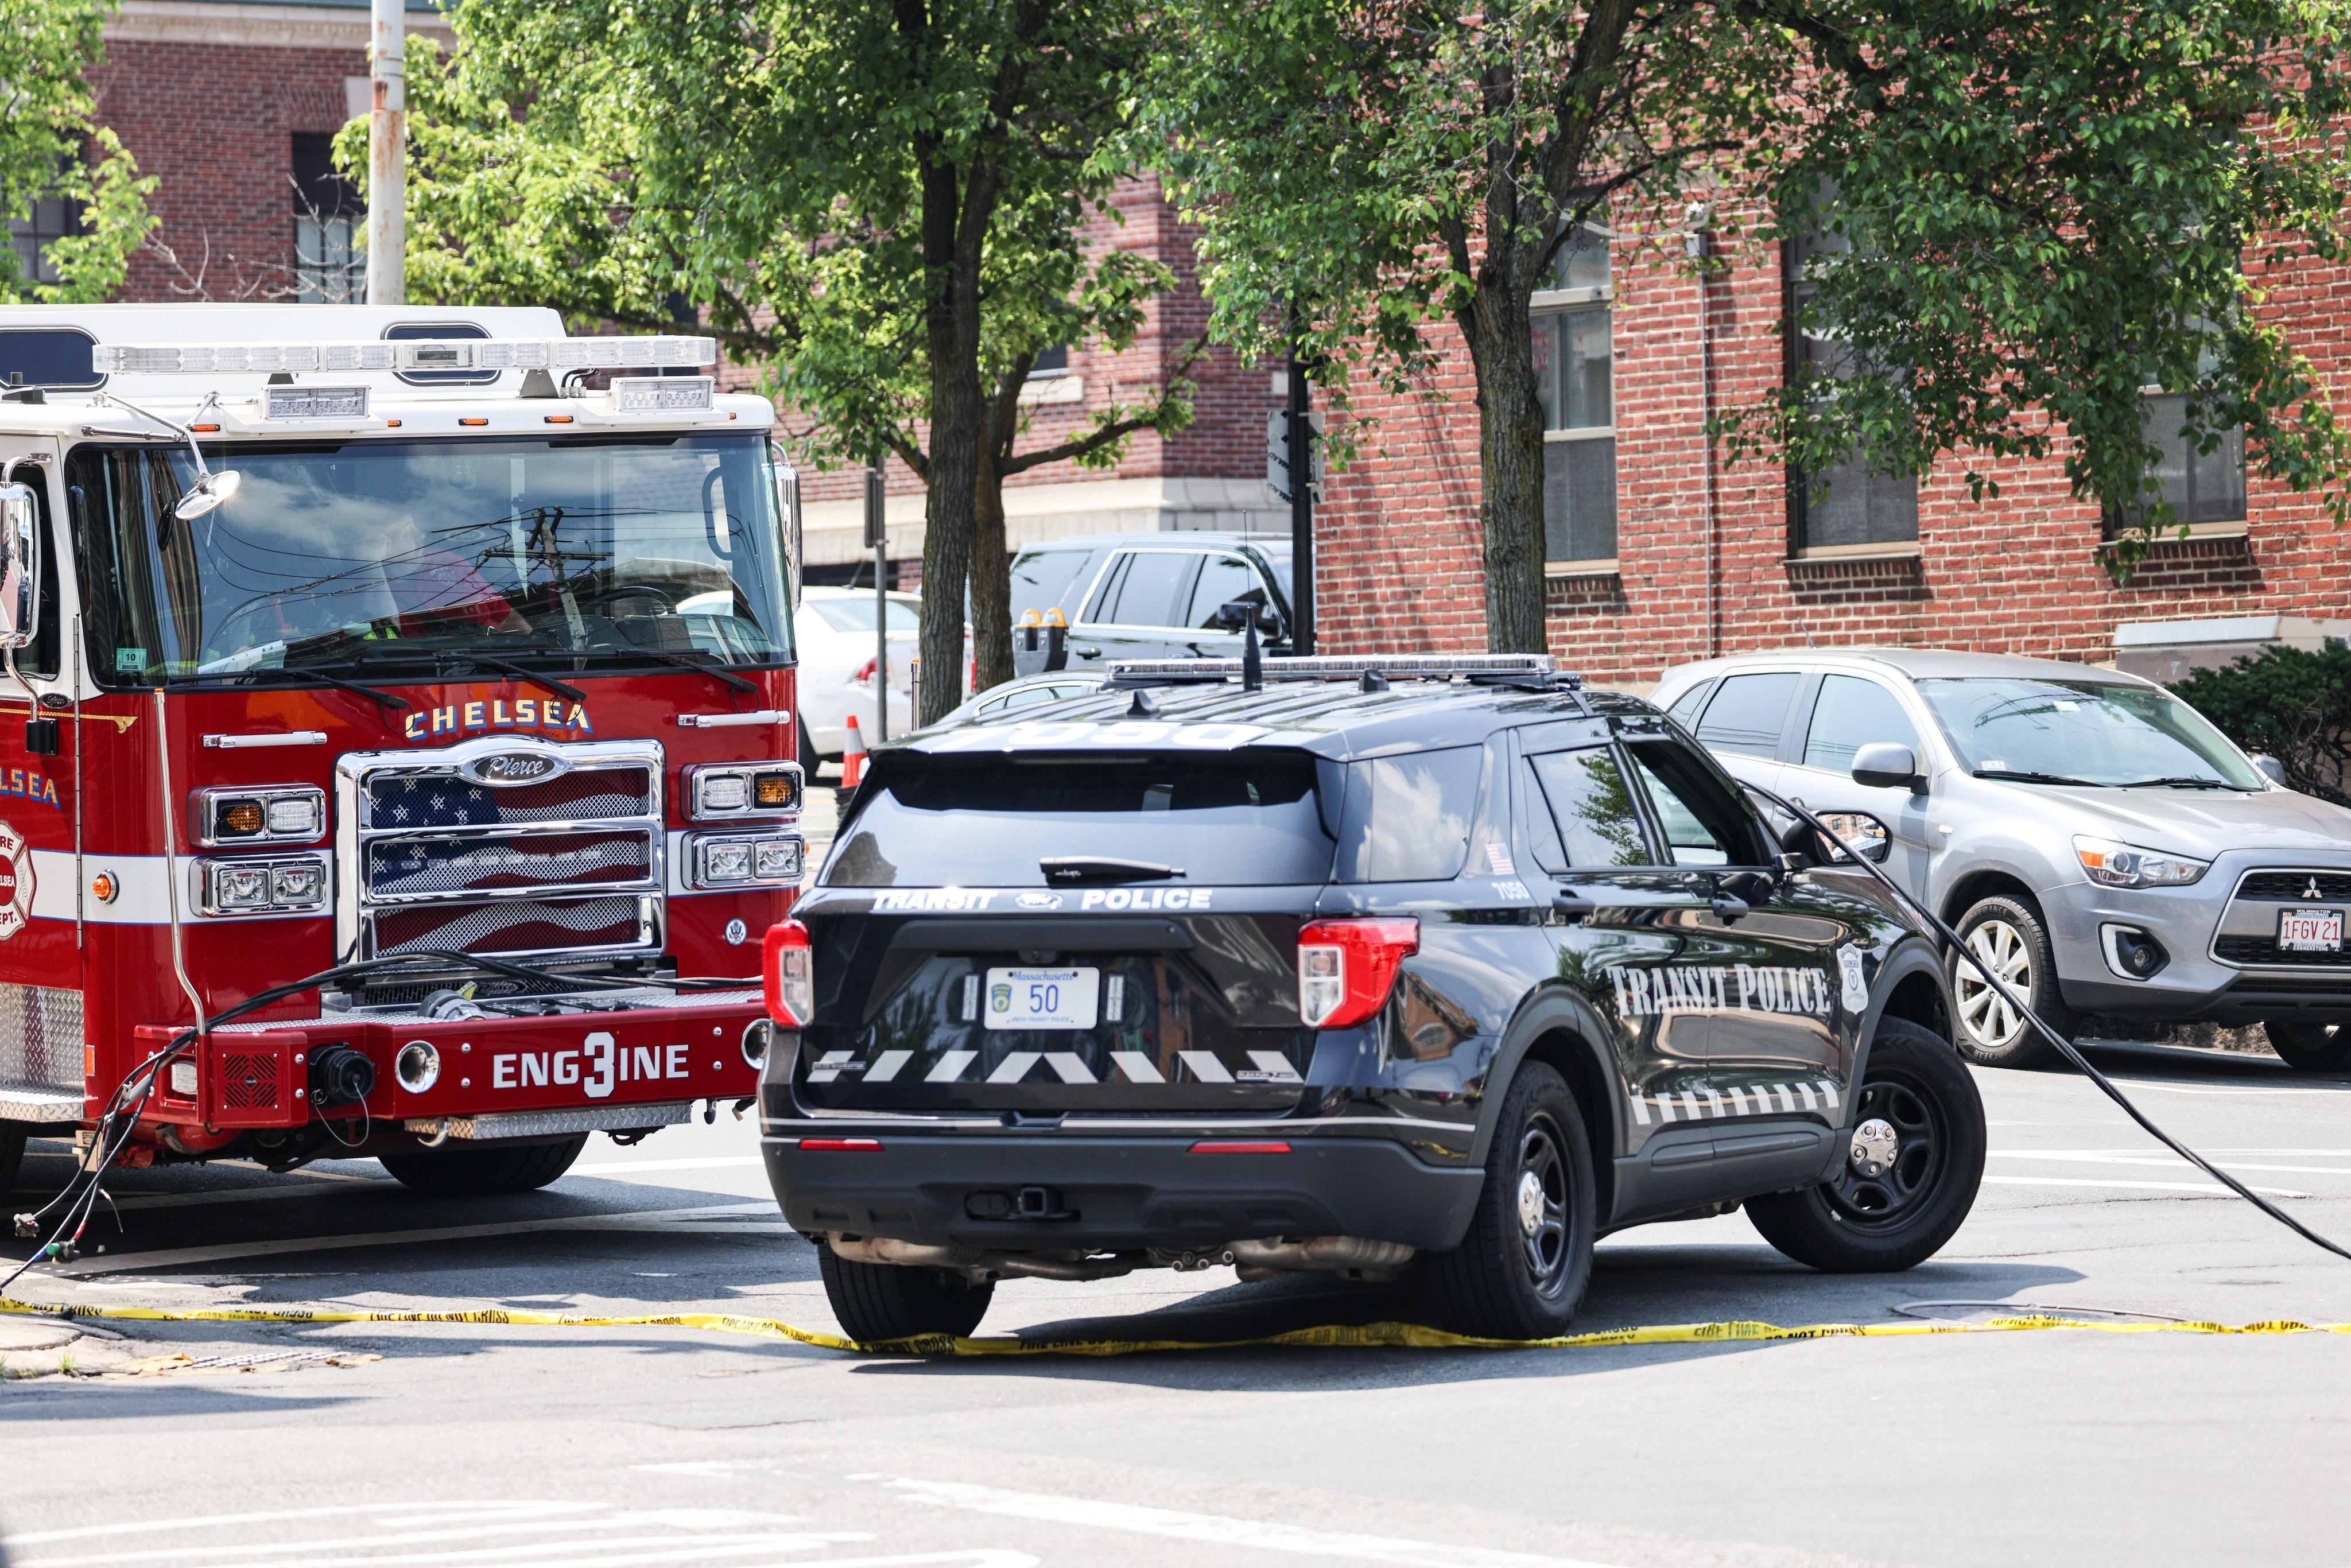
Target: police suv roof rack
{"x":1506,"y":669}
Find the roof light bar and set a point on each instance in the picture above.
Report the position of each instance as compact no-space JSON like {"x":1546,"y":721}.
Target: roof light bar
{"x":661,"y":394}
{"x":408,"y":354}
{"x":1350,"y":666}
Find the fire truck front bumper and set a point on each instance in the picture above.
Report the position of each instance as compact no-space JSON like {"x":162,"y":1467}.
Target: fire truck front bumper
{"x":630,"y":1060}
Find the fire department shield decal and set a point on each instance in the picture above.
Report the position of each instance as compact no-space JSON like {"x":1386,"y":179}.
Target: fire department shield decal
{"x":16,"y":882}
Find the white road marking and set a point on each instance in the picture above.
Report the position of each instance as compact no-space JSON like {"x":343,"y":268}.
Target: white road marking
{"x":2209,"y":1189}
{"x":1215,"y":1530}
{"x":719,"y":1218}
{"x":2117,"y":1157}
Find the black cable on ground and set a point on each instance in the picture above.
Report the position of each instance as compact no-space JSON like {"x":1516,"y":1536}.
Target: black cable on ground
{"x":80,"y":1194}
{"x":2064,"y":1045}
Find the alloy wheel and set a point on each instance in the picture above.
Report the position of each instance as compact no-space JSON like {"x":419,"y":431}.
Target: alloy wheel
{"x":1988,"y":1017}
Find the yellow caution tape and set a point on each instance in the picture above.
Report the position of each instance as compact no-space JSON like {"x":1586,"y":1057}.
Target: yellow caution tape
{"x":1367,"y":1335}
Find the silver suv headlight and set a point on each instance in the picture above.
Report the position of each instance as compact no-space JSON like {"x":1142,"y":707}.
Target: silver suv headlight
{"x":2112,"y":865}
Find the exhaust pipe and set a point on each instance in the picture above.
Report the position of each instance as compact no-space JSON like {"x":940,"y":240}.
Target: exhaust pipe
{"x":1355,"y":1257}
{"x":977,"y":1263}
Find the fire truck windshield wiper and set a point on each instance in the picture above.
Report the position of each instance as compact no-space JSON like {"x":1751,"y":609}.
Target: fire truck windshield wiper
{"x":281,"y":671}
{"x":519,"y":672}
{"x":684,"y":662}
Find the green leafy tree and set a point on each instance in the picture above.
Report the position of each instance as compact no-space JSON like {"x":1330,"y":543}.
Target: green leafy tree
{"x":2293,"y":704}
{"x":2050,"y":207}
{"x":878,"y":203}
{"x":46,"y":146}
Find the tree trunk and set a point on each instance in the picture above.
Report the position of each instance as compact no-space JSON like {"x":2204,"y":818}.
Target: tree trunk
{"x":991,"y":578}
{"x":1511,"y":456}
{"x":952,"y":330}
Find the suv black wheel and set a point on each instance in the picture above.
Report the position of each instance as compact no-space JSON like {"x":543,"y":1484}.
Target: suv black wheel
{"x":2311,"y":1047}
{"x":878,"y":1302}
{"x":1913,"y":1162}
{"x":1521,"y":1271}
{"x":2006,"y":932}
{"x":12,"y":1155}
{"x":474,"y":1173}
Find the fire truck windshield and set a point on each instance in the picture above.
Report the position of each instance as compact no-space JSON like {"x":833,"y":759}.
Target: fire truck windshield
{"x":601,"y":552}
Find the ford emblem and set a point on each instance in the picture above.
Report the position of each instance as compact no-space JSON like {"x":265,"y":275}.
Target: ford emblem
{"x":513,"y":767}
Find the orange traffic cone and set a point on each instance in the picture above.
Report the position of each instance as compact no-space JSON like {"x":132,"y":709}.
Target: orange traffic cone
{"x":852,"y":757}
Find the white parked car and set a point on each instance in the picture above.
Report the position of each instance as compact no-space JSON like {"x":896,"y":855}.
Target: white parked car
{"x":834,"y":629}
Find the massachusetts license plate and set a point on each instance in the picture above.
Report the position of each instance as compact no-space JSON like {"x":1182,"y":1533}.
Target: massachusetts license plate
{"x":1042,"y":998}
{"x":2310,"y":930}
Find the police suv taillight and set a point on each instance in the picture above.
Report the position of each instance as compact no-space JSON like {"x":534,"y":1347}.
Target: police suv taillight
{"x":1346,"y":968}
{"x":790,"y":976}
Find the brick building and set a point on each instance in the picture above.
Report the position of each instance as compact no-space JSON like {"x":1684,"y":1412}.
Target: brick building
{"x":1661,"y":552}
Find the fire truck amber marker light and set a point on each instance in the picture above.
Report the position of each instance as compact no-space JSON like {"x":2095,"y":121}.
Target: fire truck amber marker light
{"x":841,"y":1146}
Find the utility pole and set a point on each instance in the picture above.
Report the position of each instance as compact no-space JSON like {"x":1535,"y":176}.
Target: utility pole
{"x":387,"y":219}
{"x":1301,"y":455}
{"x":877,"y":534}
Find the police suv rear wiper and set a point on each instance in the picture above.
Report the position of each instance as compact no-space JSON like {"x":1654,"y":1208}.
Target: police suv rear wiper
{"x":1077,"y":871}
{"x":2020,"y":774}
{"x":380,"y":698}
{"x":2180,"y":783}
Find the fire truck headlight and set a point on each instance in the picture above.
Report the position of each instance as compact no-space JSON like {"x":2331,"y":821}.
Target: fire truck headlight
{"x":241,"y":887}
{"x":727,"y":862}
{"x":295,"y":816}
{"x":299,"y":884}
{"x":778,"y":858}
{"x":744,"y":789}
{"x":725,"y":792}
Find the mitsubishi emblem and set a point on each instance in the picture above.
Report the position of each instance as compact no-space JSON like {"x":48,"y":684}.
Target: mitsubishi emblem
{"x":2311,"y":891}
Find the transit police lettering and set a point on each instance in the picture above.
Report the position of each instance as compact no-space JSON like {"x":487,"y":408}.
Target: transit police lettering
{"x":1717,"y":987}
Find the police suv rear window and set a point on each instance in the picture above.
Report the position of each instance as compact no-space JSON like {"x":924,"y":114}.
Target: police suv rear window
{"x":1239,"y":820}
{"x":1408,"y":817}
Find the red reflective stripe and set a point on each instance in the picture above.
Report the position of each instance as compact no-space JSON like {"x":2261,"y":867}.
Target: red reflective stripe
{"x":842,"y":1145}
{"x":1241,"y":1148}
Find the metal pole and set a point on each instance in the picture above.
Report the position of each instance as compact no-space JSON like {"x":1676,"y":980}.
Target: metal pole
{"x":387,"y":227}
{"x":1302,"y":508}
{"x":877,"y":534}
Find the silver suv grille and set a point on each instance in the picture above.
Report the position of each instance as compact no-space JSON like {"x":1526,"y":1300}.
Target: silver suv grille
{"x":505,"y":848}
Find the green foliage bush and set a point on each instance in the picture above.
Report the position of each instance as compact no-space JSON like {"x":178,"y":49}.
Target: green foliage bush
{"x":2293,"y":704}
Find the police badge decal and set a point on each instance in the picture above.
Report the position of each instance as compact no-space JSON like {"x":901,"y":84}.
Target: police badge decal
{"x":16,"y":882}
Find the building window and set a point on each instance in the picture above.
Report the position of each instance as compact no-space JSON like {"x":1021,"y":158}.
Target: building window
{"x":53,"y":218}
{"x":2202,"y":487}
{"x":1052,"y":361}
{"x":1851,"y":504}
{"x":330,"y":228}
{"x":1575,"y":382}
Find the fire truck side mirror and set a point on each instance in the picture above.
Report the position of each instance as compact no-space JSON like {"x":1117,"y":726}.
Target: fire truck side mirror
{"x":20,"y":566}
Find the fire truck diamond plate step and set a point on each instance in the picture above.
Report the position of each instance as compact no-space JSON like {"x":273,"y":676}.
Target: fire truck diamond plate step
{"x":30,"y":1102}
{"x":546,"y":1123}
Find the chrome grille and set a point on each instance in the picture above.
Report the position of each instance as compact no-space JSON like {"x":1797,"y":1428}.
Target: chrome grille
{"x":436,"y":854}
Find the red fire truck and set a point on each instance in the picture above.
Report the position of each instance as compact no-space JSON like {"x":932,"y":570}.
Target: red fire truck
{"x":393,"y":735}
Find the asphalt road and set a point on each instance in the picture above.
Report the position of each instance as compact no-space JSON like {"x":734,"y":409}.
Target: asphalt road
{"x":529,"y":1447}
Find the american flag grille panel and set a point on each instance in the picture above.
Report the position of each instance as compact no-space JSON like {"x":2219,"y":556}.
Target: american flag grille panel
{"x":482,"y":863}
{"x":248,"y":1083}
{"x":511,"y":927}
{"x":445,"y":800}
{"x":2294,"y":887}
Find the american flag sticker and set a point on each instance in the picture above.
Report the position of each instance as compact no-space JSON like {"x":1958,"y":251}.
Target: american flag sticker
{"x":1497,"y":857}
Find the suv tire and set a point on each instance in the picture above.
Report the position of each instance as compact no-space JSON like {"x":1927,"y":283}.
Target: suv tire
{"x":2007,"y":932}
{"x":2311,"y":1047}
{"x":1856,"y":1224}
{"x":480,"y":1172}
{"x":1521,"y":1271}
{"x":879,"y":1301}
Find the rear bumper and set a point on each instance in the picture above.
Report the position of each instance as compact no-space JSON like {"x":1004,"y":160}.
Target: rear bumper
{"x":1120,"y":1194}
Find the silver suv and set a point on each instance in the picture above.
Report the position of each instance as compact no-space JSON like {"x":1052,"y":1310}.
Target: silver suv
{"x":2093,"y":838}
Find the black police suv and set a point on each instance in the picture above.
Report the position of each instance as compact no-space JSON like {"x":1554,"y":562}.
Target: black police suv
{"x":1376,"y":964}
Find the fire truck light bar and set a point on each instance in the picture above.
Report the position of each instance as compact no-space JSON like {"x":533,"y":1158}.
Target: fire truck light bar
{"x":315,"y":402}
{"x":410,"y":355}
{"x":1338,"y":666}
{"x":661,"y":394}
